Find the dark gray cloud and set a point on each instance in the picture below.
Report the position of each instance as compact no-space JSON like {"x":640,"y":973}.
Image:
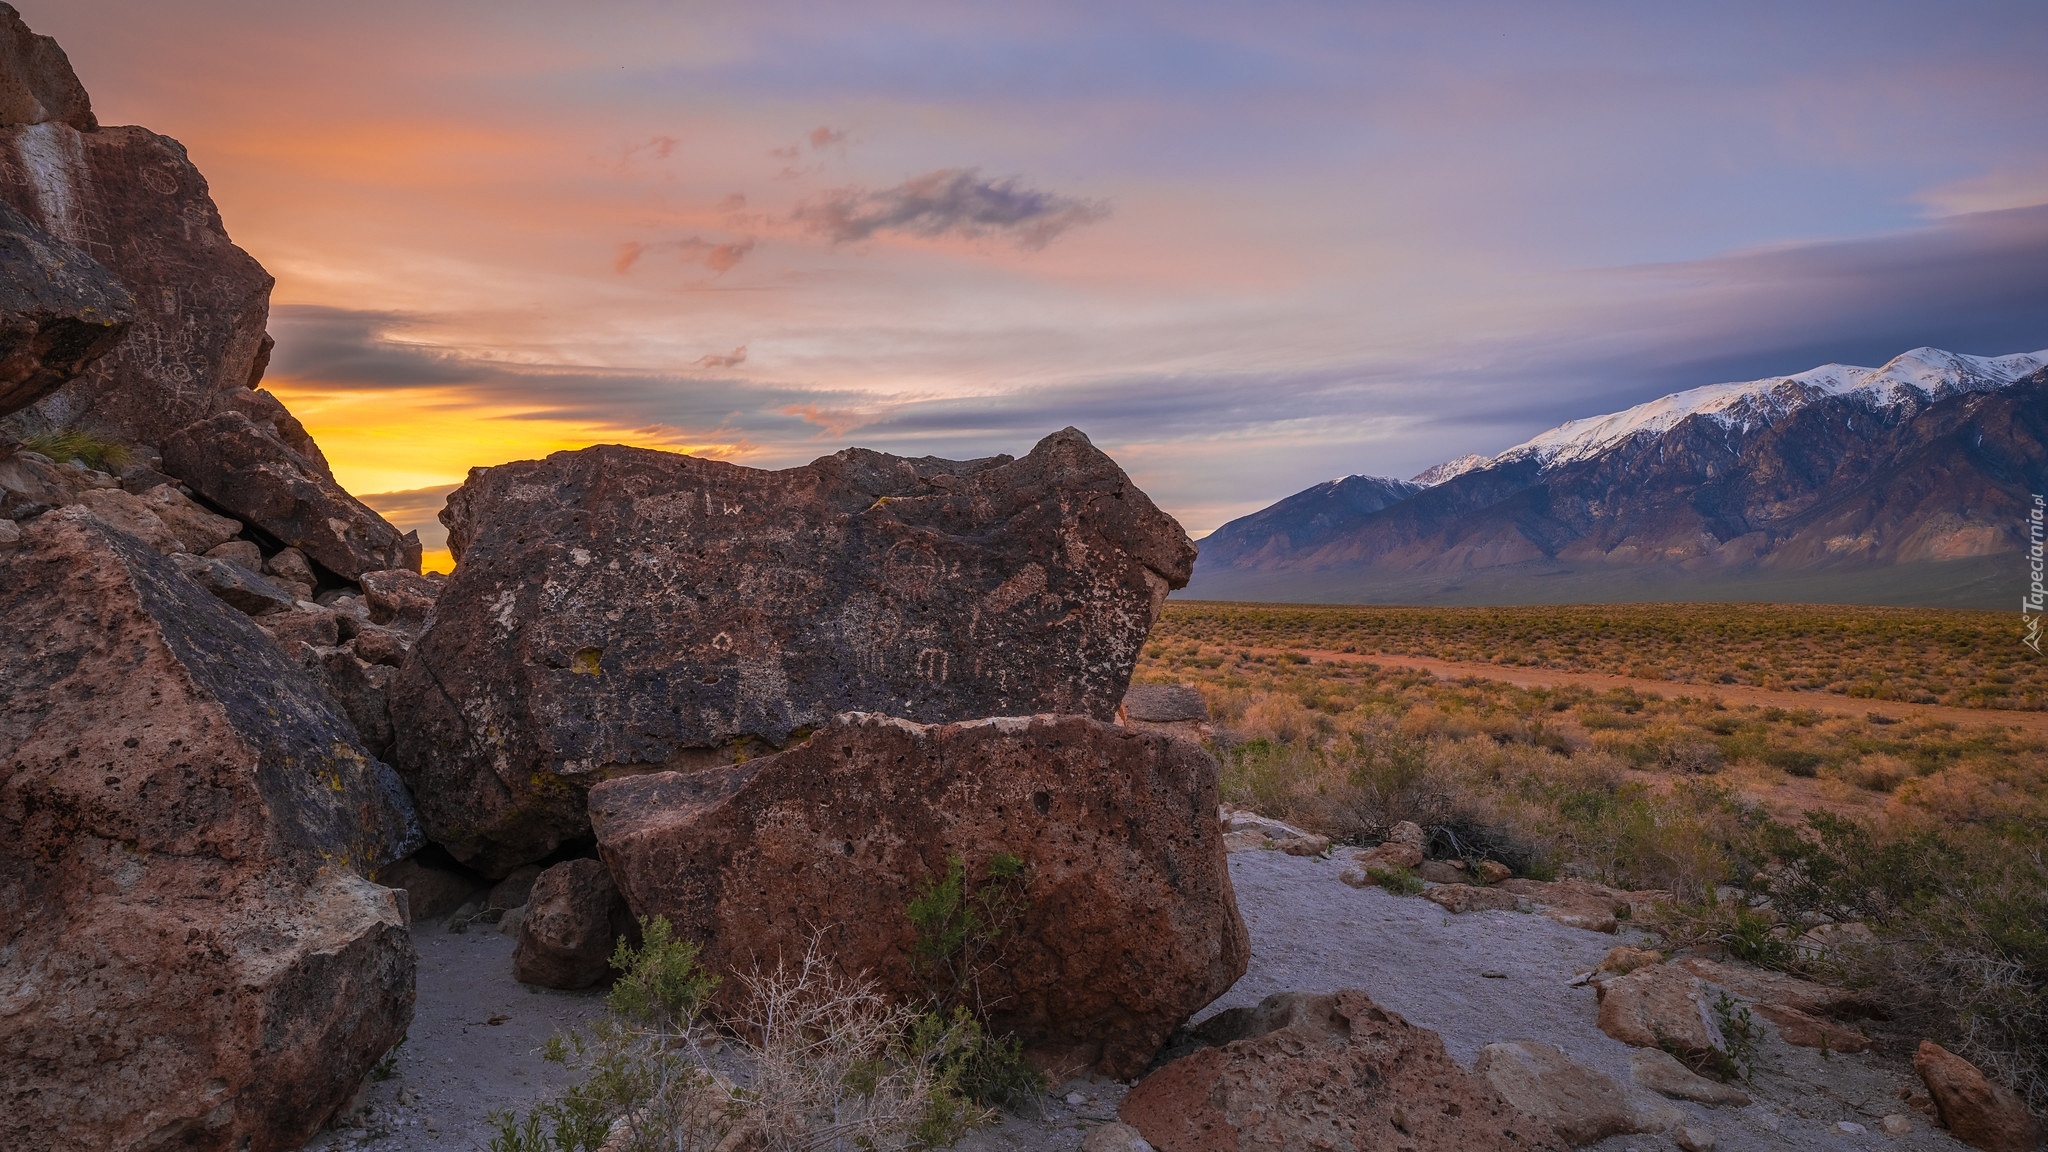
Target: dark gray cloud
{"x":948,"y":202}
{"x":356,"y":349}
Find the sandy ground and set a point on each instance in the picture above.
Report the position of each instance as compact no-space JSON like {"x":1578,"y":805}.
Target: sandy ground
{"x":1475,"y":979}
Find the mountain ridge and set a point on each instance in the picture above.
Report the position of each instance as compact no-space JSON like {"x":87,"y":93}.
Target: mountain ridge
{"x":1925,"y":460}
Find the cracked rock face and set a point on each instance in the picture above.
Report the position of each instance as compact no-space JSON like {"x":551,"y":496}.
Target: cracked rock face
{"x":59,"y":311}
{"x":192,"y":957}
{"x":183,"y":378}
{"x":1131,"y":924}
{"x":620,"y":611}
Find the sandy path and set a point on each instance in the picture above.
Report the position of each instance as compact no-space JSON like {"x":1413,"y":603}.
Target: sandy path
{"x":2035,"y":723}
{"x":1309,"y":932}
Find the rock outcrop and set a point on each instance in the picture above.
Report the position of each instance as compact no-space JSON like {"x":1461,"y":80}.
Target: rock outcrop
{"x":621,"y":611}
{"x":1661,"y":1006}
{"x":59,"y":310}
{"x":193,"y":959}
{"x":1975,"y":1111}
{"x":1579,"y":1104}
{"x":1334,"y":1072}
{"x":1131,"y":923}
{"x":184,"y":378}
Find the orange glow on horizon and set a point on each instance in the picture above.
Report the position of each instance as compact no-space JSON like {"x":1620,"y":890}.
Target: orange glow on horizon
{"x":403,"y":439}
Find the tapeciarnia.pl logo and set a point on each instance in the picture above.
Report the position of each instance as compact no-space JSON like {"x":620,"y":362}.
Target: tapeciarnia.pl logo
{"x":2036,"y":599}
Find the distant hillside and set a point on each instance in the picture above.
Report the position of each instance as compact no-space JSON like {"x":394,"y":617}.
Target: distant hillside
{"x":1904,"y":484}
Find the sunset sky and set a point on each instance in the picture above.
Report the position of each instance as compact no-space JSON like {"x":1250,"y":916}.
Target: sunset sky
{"x":1245,"y":248}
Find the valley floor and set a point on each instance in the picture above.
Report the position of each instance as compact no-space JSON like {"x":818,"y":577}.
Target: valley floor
{"x":1474,"y":978}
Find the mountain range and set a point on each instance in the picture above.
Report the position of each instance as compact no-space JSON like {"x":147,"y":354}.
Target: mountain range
{"x":1906,"y":484}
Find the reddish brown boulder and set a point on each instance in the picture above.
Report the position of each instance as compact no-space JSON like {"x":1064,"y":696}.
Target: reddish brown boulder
{"x":1804,"y":1031}
{"x":1131,"y":926}
{"x":620,"y":611}
{"x":1763,"y":987}
{"x":1334,"y":1072}
{"x":183,"y":377}
{"x":573,"y":918}
{"x":1458,"y":898}
{"x":1579,"y":1104}
{"x":192,"y":960}
{"x":59,"y":310}
{"x":1661,"y":1006}
{"x":1976,"y":1111}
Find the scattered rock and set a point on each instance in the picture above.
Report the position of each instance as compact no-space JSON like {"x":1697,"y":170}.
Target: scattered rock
{"x":511,"y":921}
{"x":429,"y":891}
{"x":1306,"y":844}
{"x":1805,"y":1031}
{"x":1661,"y":1006}
{"x":1693,"y":1140}
{"x":59,"y":310}
{"x":182,"y":810}
{"x":619,"y":610}
{"x":1332,"y":1072}
{"x":239,"y":552}
{"x":567,"y":933}
{"x":1460,"y":898}
{"x":1579,"y":1104}
{"x":1392,"y":854}
{"x":1492,"y":871}
{"x":1833,"y":941}
{"x":514,"y":889}
{"x":290,"y":564}
{"x":133,"y":515}
{"x":363,"y":691}
{"x":1660,"y":1072}
{"x":376,"y":645}
{"x":1897,"y":1124}
{"x":1622,"y":960}
{"x":1850,"y":1128}
{"x":1170,"y":709}
{"x":237,"y":586}
{"x":304,"y":624}
{"x":1131,"y":924}
{"x":1579,"y":904}
{"x":1973,"y":1109}
{"x":201,"y":530}
{"x":1114,"y":1138}
{"x":1407,"y":832}
{"x":1443,"y":872}
{"x":1761,"y":987}
{"x":401,"y":599}
{"x":1246,"y":841}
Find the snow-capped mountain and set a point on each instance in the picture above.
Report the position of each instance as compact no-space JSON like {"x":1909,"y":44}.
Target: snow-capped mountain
{"x":1906,"y":483}
{"x":1916,"y":377}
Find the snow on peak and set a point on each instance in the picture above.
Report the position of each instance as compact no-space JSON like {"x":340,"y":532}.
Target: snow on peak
{"x":1915,"y":377}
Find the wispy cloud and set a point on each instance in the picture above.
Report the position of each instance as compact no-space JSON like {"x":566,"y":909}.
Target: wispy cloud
{"x":718,"y":256}
{"x":949,"y":202}
{"x":732,"y":359}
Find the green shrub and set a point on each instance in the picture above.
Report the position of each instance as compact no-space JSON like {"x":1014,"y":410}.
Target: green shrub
{"x":95,"y":452}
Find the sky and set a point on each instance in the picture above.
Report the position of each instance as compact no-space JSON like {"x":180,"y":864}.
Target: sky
{"x":1246,"y":248}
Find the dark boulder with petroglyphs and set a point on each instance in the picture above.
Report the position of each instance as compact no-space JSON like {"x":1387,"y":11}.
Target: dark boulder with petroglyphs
{"x":183,"y":379}
{"x":619,"y":611}
{"x":59,"y":311}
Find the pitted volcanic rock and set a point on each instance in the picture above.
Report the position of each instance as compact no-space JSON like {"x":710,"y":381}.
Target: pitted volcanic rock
{"x":1131,"y":924}
{"x":192,"y":956}
{"x":620,"y":611}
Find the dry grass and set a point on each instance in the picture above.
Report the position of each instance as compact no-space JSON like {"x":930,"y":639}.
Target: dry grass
{"x":1918,"y":655}
{"x":1930,"y":832}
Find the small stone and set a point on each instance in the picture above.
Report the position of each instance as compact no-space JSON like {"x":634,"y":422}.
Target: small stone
{"x":291,"y":564}
{"x":1896,"y":1124}
{"x":1306,"y":844}
{"x":1075,"y":1099}
{"x":1694,"y":1139}
{"x":1493,"y":974}
{"x":1850,"y":1128}
{"x":238,"y":552}
{"x":1661,"y":1073}
{"x":1114,"y":1138}
{"x":1406,"y":832}
{"x":433,"y":1124}
{"x":1493,"y":871}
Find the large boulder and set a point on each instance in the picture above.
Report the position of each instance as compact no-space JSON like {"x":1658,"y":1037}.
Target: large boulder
{"x":1334,"y":1072}
{"x":59,"y":310}
{"x":1131,"y":924}
{"x":193,"y":959}
{"x":1582,"y":1106}
{"x":574,"y":916}
{"x":1974,"y":1110}
{"x":621,"y":611}
{"x":183,"y":379}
